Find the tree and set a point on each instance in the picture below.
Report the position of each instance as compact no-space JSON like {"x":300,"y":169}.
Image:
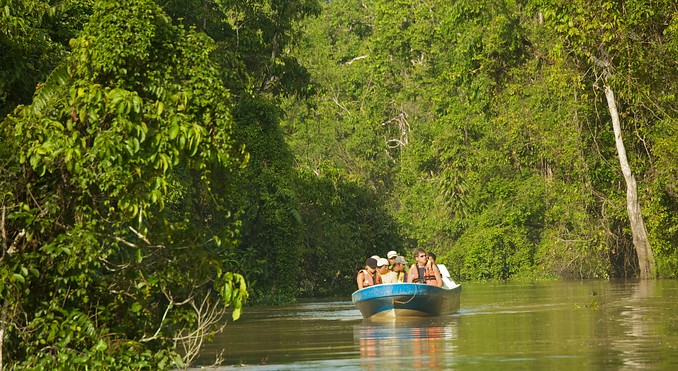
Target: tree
{"x":116,"y":231}
{"x":624,"y":46}
{"x":640,"y":240}
{"x":508,"y":164}
{"x":34,"y":37}
{"x":254,"y":42}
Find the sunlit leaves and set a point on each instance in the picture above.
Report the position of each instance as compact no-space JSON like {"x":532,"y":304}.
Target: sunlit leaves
{"x":499,"y":100}
{"x":233,"y":291}
{"x":30,"y":45}
{"x":95,"y":161}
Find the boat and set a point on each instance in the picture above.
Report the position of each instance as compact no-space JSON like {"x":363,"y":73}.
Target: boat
{"x":393,"y":300}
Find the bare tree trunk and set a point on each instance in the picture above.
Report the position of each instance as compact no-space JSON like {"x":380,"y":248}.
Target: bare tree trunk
{"x":3,"y":320}
{"x":640,"y":241}
{"x":3,"y":316}
{"x":4,"y":309}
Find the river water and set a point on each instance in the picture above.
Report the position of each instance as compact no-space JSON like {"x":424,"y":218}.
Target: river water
{"x":539,"y":326}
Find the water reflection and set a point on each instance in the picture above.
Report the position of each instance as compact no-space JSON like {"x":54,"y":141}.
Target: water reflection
{"x":406,"y":343}
{"x":591,"y":325}
{"x":633,"y":317}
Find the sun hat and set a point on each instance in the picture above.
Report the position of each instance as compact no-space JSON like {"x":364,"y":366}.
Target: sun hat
{"x":391,"y":254}
{"x":381,"y":262}
{"x":400,"y":260}
{"x":375,"y":257}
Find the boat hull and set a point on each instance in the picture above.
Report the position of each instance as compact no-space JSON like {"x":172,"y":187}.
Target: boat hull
{"x":406,"y":300}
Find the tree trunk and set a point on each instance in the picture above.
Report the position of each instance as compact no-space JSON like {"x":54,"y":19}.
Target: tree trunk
{"x":640,"y":241}
{"x":3,"y":315}
{"x":3,"y":325}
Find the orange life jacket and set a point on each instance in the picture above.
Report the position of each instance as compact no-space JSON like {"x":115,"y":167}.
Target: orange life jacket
{"x":429,"y":275}
{"x":368,"y":279}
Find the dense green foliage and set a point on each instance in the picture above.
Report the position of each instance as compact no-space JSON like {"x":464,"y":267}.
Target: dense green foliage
{"x":483,"y":127}
{"x":253,"y":40}
{"x":34,"y":36}
{"x":158,"y":155}
{"x":116,"y":231}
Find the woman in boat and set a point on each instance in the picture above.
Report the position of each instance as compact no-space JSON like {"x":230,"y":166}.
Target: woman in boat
{"x":368,"y":276}
{"x":421,"y":272}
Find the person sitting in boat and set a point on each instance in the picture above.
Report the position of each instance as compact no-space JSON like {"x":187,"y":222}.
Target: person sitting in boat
{"x":387,"y":276}
{"x":432,"y":265}
{"x":399,"y":267}
{"x":368,"y":276}
{"x":391,"y":256}
{"x":420,"y":272}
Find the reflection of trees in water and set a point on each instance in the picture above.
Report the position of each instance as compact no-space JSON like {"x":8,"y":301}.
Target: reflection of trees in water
{"x":411,"y":343}
{"x":638,"y":336}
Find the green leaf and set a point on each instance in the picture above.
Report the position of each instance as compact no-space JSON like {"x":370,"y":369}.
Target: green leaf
{"x":227,"y":293}
{"x":178,"y":362}
{"x":100,"y":346}
{"x":174,"y":131}
{"x":136,"y":307}
{"x":236,"y":313}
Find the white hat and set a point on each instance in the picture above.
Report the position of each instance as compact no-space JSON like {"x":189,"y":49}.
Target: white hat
{"x":391,"y":254}
{"x":375,"y":257}
{"x":381,"y":262}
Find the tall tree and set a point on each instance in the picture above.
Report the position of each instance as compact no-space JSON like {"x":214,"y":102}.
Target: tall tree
{"x":640,"y":240}
{"x":116,"y":233}
{"x":254,"y":42}
{"x":507,"y":166}
{"x":625,"y":45}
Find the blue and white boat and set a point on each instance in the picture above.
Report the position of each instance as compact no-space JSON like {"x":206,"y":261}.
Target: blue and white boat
{"x":392,"y":300}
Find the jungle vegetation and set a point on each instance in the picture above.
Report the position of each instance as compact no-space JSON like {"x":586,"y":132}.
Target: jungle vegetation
{"x":165,"y":162}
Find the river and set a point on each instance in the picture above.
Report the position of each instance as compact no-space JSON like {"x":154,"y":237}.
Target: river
{"x":547,"y":325}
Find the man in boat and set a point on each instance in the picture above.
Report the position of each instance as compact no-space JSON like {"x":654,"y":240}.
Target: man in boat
{"x":387,"y":276}
{"x":391,"y":256}
{"x":368,"y":276}
{"x":399,"y":267}
{"x":421,"y":272}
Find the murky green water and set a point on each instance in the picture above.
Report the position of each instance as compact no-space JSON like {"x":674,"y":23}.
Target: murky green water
{"x":554,"y":325}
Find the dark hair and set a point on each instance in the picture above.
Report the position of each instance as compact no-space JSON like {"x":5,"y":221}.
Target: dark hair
{"x":431,"y":254}
{"x":418,"y":251}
